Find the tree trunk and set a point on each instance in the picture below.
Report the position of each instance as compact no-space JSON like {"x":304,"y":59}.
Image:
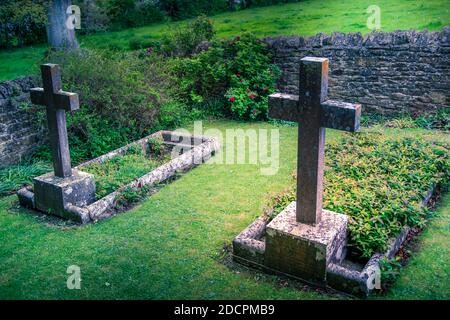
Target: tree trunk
{"x":58,"y":34}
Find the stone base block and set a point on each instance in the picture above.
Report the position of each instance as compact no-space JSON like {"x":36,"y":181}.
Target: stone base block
{"x":303,"y":250}
{"x":55,"y":195}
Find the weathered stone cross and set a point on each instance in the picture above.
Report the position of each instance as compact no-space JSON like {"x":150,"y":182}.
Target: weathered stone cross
{"x":313,"y":113}
{"x":57,"y":103}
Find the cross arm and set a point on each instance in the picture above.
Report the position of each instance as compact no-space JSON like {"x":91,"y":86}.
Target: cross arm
{"x":67,"y":100}
{"x":284,"y":106}
{"x":335,"y":114}
{"x":62,"y":100}
{"x":341,"y":115}
{"x":37,"y":96}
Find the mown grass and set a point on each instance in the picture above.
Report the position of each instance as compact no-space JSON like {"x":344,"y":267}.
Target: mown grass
{"x":427,"y":273}
{"x":303,"y":18}
{"x":171,"y":245}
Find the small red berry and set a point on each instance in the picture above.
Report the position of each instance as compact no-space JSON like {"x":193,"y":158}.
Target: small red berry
{"x":248,"y":90}
{"x":254,"y":111}
{"x":252,"y":96}
{"x":232,"y":99}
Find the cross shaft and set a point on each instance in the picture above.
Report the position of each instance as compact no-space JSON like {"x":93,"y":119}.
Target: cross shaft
{"x":57,"y":102}
{"x":314,"y":113}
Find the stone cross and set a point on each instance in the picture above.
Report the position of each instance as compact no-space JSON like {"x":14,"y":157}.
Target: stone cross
{"x":57,"y":103}
{"x":314,"y":113}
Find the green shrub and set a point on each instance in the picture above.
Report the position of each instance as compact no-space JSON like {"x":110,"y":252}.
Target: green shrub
{"x":183,"y":42}
{"x":379,"y":183}
{"x":182,"y":9}
{"x":120,"y":97}
{"x":22,"y":22}
{"x":131,"y":13}
{"x":94,"y":17}
{"x":140,"y":43}
{"x":239,"y":70}
{"x":172,"y":114}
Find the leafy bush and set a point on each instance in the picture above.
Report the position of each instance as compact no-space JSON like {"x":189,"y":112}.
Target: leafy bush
{"x":239,"y":69}
{"x":131,"y":13}
{"x":22,"y":22}
{"x":183,"y":42}
{"x":182,"y":9}
{"x":172,"y":114}
{"x":390,"y":270}
{"x":120,"y":97}
{"x":94,"y":17}
{"x":379,"y":183}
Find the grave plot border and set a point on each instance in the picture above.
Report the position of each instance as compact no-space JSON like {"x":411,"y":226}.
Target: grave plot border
{"x":197,"y":151}
{"x":249,"y":249}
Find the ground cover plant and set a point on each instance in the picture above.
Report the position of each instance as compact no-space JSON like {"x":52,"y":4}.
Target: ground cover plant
{"x":379,"y":183}
{"x":14,"y":177}
{"x":120,"y":170}
{"x":303,"y":18}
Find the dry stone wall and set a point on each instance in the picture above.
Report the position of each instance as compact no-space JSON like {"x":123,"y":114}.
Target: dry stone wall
{"x":19,"y":130}
{"x":388,"y":73}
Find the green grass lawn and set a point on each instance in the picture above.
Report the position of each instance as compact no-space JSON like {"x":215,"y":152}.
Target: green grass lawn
{"x":170,"y":246}
{"x":304,"y":18}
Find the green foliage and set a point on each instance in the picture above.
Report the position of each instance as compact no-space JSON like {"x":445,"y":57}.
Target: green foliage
{"x":120,"y":97}
{"x":304,"y":18}
{"x":22,"y":22}
{"x":172,"y":114}
{"x":169,"y":229}
{"x":435,"y":120}
{"x":156,"y":147}
{"x":183,"y":42}
{"x":144,"y":43}
{"x":182,"y":9}
{"x":131,"y":13}
{"x":390,"y":270}
{"x":238,"y":69}
{"x":379,"y":183}
{"x":14,"y":177}
{"x":439,"y":119}
{"x":130,"y":196}
{"x":121,"y":170}
{"x":94,"y":17}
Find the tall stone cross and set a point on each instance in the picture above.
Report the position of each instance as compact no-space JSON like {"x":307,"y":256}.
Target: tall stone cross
{"x":314,"y":113}
{"x":57,"y":103}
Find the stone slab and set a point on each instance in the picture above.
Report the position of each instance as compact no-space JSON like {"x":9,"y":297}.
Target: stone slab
{"x":304,"y":250}
{"x":54,"y":195}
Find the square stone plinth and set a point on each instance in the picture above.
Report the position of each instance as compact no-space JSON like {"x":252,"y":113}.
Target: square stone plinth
{"x":302,"y":250}
{"x":54,"y":194}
